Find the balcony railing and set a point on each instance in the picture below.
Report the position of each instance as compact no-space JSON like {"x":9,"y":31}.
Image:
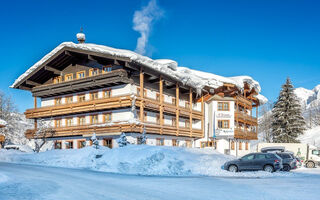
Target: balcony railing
{"x":120,"y":127}
{"x":245,"y":134}
{"x":241,"y":116}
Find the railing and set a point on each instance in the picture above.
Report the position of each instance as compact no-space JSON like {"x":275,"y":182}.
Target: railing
{"x":120,"y":127}
{"x":245,"y":117}
{"x":245,"y":134}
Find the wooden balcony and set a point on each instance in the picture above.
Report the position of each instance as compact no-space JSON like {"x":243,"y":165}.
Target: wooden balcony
{"x":81,"y":107}
{"x":245,"y":118}
{"x":100,"y":129}
{"x":245,"y":134}
{"x":243,"y":101}
{"x":154,"y":105}
{"x":2,"y":138}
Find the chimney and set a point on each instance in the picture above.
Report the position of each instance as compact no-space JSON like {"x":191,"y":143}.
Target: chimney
{"x":81,"y":37}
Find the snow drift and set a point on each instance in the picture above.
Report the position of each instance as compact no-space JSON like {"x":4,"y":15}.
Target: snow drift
{"x":135,"y":160}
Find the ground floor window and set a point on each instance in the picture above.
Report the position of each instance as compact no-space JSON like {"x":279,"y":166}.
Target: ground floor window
{"x":107,"y":142}
{"x":69,"y":144}
{"x":208,"y":144}
{"x":240,"y":145}
{"x":174,"y":142}
{"x":232,"y":145}
{"x":81,"y":144}
{"x":188,"y":143}
{"x":57,"y":145}
{"x":160,"y":141}
{"x":247,"y":146}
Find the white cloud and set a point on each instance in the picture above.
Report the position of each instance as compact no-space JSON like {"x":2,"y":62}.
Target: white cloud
{"x":142,"y":22}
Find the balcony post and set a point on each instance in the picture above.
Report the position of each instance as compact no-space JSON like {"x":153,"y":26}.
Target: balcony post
{"x":141,"y":77}
{"x":177,"y":108}
{"x":202,"y":116}
{"x":161,"y":104}
{"x":35,"y":106}
{"x":190,"y":110}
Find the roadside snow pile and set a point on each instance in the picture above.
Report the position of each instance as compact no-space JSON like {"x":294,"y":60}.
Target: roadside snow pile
{"x":3,"y":178}
{"x":135,"y":159}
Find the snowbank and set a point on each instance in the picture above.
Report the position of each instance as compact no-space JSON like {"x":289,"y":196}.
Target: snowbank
{"x":136,"y":160}
{"x":193,"y":78}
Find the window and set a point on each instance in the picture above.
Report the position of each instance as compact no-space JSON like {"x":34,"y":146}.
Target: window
{"x":158,"y":97}
{"x":260,"y":156}
{"x":188,"y":144}
{"x":57,"y":145}
{"x":69,"y":122}
{"x":158,"y":119}
{"x":145,"y":116}
{"x":107,"y":93}
{"x":223,"y":106}
{"x":107,"y":142}
{"x":58,"y":123}
{"x":174,"y":142}
{"x":93,"y":72}
{"x":81,"y":98}
{"x":94,"y":119}
{"x":68,"y":77}
{"x":58,"y":101}
{"x":81,"y":144}
{"x":187,"y":104}
{"x":94,"y":95}
{"x":174,"y":121}
{"x":81,"y":74}
{"x":107,"y":118}
{"x":248,"y":157}
{"x":160,"y":142}
{"x":240,"y":145}
{"x":173,"y":101}
{"x":82,"y":120}
{"x":69,"y":99}
{"x":223,"y":124}
{"x":106,"y":69}
{"x":69,"y":144}
{"x":247,"y":146}
{"x":187,"y":123}
{"x":57,"y":79}
{"x":232,"y":145}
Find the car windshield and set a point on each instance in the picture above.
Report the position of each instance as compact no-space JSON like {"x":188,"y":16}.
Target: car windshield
{"x":248,"y":157}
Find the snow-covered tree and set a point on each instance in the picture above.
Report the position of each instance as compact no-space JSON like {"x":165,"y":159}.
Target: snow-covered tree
{"x":122,"y":141}
{"x":265,"y":123}
{"x":143,"y":138}
{"x":41,"y":135}
{"x":95,"y":141}
{"x":287,"y":120}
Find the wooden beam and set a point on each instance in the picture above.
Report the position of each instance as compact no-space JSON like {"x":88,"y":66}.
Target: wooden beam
{"x":24,"y":87}
{"x":171,"y":86}
{"x":141,"y":77}
{"x":177,"y":108}
{"x":154,"y":80}
{"x":128,"y":65}
{"x":92,"y":58}
{"x":35,"y":102}
{"x":161,"y":102}
{"x":116,"y":62}
{"x":190,"y":110}
{"x":51,"y":69}
{"x":28,"y":82}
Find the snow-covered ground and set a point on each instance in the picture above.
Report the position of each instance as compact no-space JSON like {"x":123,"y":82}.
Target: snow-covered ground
{"x":135,"y":159}
{"x":143,"y":172}
{"x":30,"y":182}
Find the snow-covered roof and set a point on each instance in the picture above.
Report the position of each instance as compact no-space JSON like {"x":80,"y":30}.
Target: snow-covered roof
{"x":2,"y":122}
{"x":187,"y":76}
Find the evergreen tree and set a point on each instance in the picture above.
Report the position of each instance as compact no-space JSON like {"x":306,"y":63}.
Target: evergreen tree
{"x":122,"y":141}
{"x":95,"y":141}
{"x":287,"y":120}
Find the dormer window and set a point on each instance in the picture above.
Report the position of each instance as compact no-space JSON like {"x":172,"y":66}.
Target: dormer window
{"x":57,"y":79}
{"x":106,"y":69}
{"x":80,"y":74}
{"x":94,"y":72}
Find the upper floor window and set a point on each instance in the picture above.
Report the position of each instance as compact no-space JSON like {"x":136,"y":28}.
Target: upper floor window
{"x":81,"y":98}
{"x":187,"y":123}
{"x":158,"y":119}
{"x":106,"y":69}
{"x":69,"y":122}
{"x":223,"y":106}
{"x":107,"y":93}
{"x":173,"y":101}
{"x":69,"y":99}
{"x":94,"y":119}
{"x":94,"y":96}
{"x":223,"y":124}
{"x":68,"y":77}
{"x":107,"y":117}
{"x":58,"y":123}
{"x":81,"y":74}
{"x":82,"y":120}
{"x":58,"y":101}
{"x":57,"y":79}
{"x":187,"y":104}
{"x":174,"y":121}
{"x":93,"y":72}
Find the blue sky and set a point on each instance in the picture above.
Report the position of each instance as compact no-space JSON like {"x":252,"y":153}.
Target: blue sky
{"x":268,"y":40}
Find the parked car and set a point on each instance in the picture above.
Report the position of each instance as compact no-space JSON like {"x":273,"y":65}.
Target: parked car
{"x":269,"y":162}
{"x":289,"y":162}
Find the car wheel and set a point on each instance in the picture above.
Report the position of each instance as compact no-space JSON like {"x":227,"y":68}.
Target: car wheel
{"x":310,"y":164}
{"x":232,"y":168}
{"x":268,"y":168}
{"x":286,"y":168}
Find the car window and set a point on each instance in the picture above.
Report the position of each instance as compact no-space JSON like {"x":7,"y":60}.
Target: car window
{"x":248,"y":157}
{"x":284,"y":155}
{"x":260,"y":156}
{"x":273,"y":156}
{"x":315,"y":152}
